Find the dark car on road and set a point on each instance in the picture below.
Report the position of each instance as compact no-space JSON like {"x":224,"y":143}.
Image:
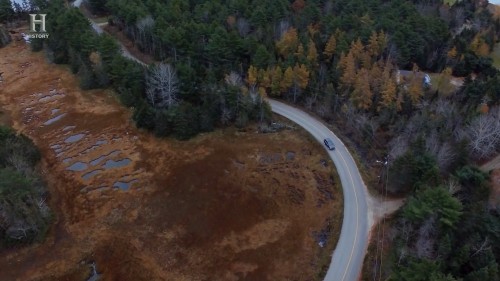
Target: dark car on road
{"x":329,"y":144}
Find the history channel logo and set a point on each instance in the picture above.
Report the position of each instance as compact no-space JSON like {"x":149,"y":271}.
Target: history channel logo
{"x":34,"y":22}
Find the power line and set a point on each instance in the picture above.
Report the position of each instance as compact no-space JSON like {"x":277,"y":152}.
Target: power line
{"x":383,"y":219}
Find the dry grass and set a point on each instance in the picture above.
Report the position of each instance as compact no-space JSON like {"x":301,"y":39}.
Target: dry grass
{"x":192,"y":201}
{"x":442,"y":84}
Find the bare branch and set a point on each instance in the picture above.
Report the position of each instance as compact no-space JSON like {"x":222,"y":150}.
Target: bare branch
{"x":162,"y":86}
{"x":484,"y":134}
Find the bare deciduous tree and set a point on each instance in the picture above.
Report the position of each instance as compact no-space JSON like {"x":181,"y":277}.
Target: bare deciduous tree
{"x":453,"y":186}
{"x":323,"y":109}
{"x":406,"y":230}
{"x":310,"y":102}
{"x":442,"y":151}
{"x":234,"y":79}
{"x":481,"y":246}
{"x":162,"y":86}
{"x":366,"y":124}
{"x":397,"y":147}
{"x":445,"y":156}
{"x":425,"y":242}
{"x":243,"y":26}
{"x":144,"y":27}
{"x":145,"y":23}
{"x":484,"y":134}
{"x":225,"y":115}
{"x":282,"y":28}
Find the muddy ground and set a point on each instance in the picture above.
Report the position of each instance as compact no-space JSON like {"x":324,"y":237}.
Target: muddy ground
{"x":229,"y":205}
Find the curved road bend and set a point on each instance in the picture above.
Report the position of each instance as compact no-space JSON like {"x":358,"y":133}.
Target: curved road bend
{"x":350,"y":251}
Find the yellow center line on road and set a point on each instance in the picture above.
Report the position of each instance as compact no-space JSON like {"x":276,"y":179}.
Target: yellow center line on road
{"x":304,"y":122}
{"x":357,"y":218}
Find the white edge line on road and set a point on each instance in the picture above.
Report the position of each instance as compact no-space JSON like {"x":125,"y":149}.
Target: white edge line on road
{"x":285,"y":111}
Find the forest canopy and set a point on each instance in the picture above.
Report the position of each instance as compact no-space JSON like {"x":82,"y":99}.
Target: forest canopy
{"x":408,"y":82}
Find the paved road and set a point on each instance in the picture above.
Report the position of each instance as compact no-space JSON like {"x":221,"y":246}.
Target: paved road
{"x":350,"y":251}
{"x":351,"y":248}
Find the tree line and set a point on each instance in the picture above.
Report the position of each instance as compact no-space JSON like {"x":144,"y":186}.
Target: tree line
{"x":24,"y":214}
{"x":218,"y":60}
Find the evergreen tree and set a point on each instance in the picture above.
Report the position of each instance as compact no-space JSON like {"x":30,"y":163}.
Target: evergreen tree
{"x":6,"y":11}
{"x":330,"y":47}
{"x":262,"y":57}
{"x":362,"y":95}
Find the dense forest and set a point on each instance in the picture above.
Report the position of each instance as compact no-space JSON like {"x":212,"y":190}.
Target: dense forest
{"x":24,"y":214}
{"x":219,"y":60}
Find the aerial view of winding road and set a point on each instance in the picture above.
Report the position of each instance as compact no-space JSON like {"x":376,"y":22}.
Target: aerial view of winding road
{"x":348,"y":256}
{"x":350,"y":251}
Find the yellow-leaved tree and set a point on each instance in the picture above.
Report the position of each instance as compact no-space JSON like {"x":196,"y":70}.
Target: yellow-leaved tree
{"x":252,"y":76}
{"x":357,"y":49}
{"x":348,"y":66}
{"x":300,"y":79}
{"x":276,"y":78}
{"x":362,"y":95}
{"x":287,"y":80}
{"x":331,"y":46}
{"x":373,"y":45}
{"x":288,"y":42}
{"x":388,"y":90}
{"x":300,"y":51}
{"x":312,"y":53}
{"x":264,"y":78}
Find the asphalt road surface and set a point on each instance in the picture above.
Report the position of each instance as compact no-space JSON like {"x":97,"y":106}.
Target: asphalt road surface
{"x":351,"y":248}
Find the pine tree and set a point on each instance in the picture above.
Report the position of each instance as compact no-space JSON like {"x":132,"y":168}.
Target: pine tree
{"x":312,"y":29}
{"x":312,"y":53}
{"x":287,"y":80}
{"x":366,"y":60}
{"x":262,"y":57}
{"x":415,"y":90}
{"x":276,"y":78}
{"x":107,"y":48}
{"x":357,"y":49}
{"x":262,"y":92}
{"x":373,"y":45}
{"x":265,"y":78}
{"x":300,"y":80}
{"x":382,"y":40}
{"x":376,"y":77}
{"x":301,"y":75}
{"x":6,"y":11}
{"x":252,"y":76}
{"x":330,"y":47}
{"x":347,"y":63}
{"x":288,"y":42}
{"x":362,"y":94}
{"x":300,"y":52}
{"x":389,"y":90}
